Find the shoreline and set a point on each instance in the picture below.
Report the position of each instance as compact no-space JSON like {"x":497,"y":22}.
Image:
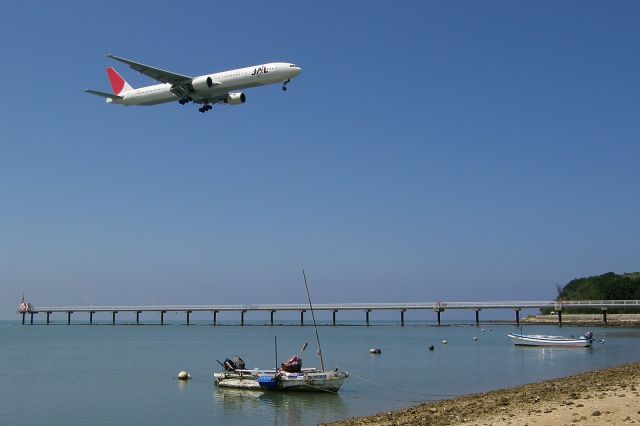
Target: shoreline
{"x":610,"y":396}
{"x":613,"y":320}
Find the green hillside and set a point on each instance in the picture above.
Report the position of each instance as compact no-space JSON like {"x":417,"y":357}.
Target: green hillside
{"x":609,"y":286}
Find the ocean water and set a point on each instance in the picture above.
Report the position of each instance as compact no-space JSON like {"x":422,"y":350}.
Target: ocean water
{"x":125,"y":374}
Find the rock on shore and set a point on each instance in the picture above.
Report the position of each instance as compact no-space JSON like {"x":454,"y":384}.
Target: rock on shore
{"x":609,"y":396}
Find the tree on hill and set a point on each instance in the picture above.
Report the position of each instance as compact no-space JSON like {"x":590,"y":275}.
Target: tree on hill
{"x":609,"y":286}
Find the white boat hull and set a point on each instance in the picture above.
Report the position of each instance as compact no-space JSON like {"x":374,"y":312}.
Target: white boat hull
{"x":329,"y":381}
{"x":240,"y":379}
{"x":321,"y":381}
{"x":549,"y":341}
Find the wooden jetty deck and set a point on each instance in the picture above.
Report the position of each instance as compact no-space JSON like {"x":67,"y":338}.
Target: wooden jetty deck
{"x":334,"y":308}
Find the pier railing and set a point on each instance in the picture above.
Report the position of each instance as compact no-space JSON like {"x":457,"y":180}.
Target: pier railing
{"x":437,"y":307}
{"x":349,"y":306}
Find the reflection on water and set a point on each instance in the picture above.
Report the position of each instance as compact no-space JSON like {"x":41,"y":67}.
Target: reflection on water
{"x":291,"y":408}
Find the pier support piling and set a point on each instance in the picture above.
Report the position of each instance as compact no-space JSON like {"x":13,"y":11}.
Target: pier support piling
{"x":560,"y":318}
{"x":242,"y":317}
{"x":334,"y":317}
{"x":188,"y":317}
{"x":302,"y":317}
{"x":402,"y":317}
{"x":368,"y":310}
{"x":48,"y":314}
{"x":272,"y":312}
{"x":23,"y":315}
{"x":69,"y":317}
{"x":31,"y":320}
{"x":215,"y":317}
{"x":438,"y":311}
{"x":477,"y":317}
{"x":604,"y":315}
{"x":113,"y":317}
{"x":518,"y":317}
{"x":138,"y":317}
{"x":162,"y":317}
{"x":91,"y":317}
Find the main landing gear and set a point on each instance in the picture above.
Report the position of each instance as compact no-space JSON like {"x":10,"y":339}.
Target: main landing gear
{"x":185,"y":100}
{"x":284,"y":84}
{"x":205,"y":108}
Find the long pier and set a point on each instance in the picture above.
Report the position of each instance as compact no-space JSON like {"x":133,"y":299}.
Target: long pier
{"x":334,"y":308}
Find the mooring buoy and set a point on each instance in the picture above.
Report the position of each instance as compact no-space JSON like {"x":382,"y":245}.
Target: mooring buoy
{"x":375,"y":351}
{"x":183,"y":375}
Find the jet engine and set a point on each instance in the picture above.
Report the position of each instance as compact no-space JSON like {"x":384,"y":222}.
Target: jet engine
{"x":235,"y":98}
{"x":202,"y":83}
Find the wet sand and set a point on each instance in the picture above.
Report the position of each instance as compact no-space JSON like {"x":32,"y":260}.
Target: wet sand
{"x":609,"y":396}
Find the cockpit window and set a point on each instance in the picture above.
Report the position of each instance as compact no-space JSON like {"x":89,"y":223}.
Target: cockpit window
{"x":291,"y":66}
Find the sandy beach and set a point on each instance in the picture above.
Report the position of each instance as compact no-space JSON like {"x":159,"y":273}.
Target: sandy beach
{"x":610,"y":396}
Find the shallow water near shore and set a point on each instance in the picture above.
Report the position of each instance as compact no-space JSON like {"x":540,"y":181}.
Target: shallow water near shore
{"x":126,"y":374}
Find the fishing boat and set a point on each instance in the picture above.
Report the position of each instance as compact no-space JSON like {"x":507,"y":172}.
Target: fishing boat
{"x":307,"y":379}
{"x":584,"y":341}
{"x":290,"y":376}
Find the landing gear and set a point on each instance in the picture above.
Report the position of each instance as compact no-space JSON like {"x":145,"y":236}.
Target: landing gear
{"x":185,"y":100}
{"x":284,"y":85}
{"x":205,"y":108}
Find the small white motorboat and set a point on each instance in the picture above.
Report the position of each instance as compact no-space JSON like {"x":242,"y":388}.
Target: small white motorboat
{"x":584,"y":341}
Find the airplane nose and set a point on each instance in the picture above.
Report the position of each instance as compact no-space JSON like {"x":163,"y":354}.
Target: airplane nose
{"x":297,"y":70}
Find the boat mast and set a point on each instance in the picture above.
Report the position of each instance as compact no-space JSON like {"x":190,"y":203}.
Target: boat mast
{"x":314,"y":320}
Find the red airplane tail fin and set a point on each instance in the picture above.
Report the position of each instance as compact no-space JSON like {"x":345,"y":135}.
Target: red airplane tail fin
{"x":118,"y":84}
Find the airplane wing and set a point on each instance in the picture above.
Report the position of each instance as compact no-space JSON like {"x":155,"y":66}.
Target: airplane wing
{"x":103,"y":94}
{"x":155,"y":73}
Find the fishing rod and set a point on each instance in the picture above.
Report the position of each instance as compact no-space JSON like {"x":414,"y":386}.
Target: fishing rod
{"x":314,"y":320}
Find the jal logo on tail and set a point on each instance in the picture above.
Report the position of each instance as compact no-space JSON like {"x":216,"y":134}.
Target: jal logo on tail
{"x":260,"y":70}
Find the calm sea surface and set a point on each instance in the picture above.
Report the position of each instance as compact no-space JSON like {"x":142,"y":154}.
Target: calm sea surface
{"x":126,"y":374}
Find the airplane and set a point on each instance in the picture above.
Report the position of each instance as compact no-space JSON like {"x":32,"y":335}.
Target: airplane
{"x":210,"y":89}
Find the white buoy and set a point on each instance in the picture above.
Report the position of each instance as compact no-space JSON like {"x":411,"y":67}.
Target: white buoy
{"x":375,"y":351}
{"x":475,"y":338}
{"x":444,"y":342}
{"x":183,"y":375}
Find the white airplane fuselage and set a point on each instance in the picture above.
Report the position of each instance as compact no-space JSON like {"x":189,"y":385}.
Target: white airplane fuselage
{"x":221,"y":83}
{"x":207,"y":90}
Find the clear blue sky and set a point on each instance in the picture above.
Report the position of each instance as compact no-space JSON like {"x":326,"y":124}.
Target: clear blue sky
{"x":428,"y":151}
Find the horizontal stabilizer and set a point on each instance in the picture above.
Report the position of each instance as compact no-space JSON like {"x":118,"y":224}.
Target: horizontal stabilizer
{"x":103,"y":94}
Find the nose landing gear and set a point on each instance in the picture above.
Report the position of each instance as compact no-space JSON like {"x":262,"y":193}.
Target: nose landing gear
{"x":284,"y":84}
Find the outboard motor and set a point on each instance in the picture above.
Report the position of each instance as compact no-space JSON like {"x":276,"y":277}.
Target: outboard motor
{"x":236,"y":363}
{"x":229,"y":365}
{"x":588,"y":335}
{"x":239,"y":363}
